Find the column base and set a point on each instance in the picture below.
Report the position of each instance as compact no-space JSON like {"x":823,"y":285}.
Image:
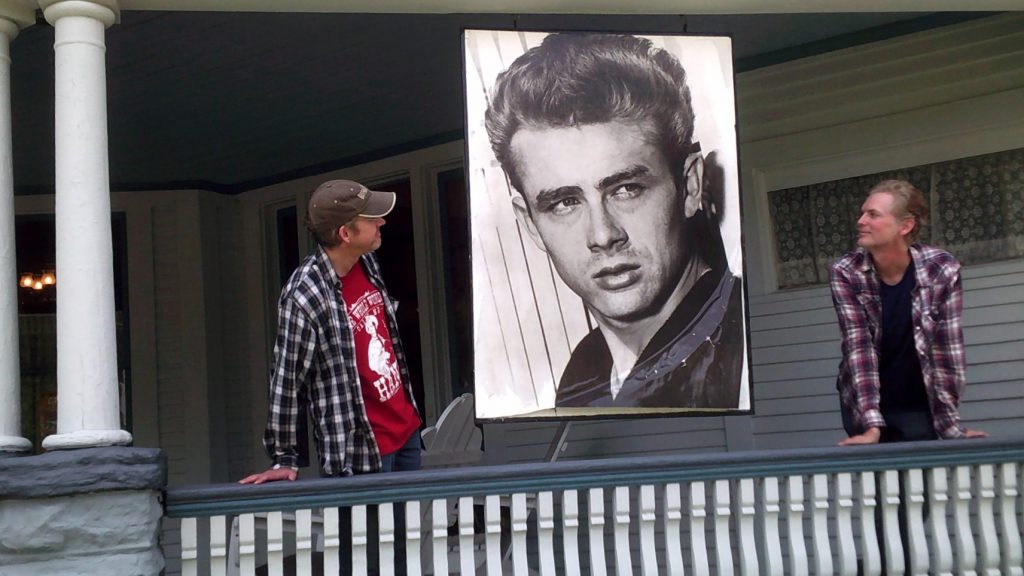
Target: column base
{"x":13,"y":445}
{"x":87,"y":439}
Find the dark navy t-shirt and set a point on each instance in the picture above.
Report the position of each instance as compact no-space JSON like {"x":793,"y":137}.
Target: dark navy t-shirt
{"x":899,"y":370}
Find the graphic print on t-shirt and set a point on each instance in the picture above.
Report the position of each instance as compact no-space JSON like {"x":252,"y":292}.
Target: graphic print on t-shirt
{"x":381,"y":361}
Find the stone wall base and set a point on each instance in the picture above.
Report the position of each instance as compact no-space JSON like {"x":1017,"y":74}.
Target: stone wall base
{"x":110,"y":533}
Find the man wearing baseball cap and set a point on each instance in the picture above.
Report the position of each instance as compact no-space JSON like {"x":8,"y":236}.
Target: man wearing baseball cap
{"x":338,"y":348}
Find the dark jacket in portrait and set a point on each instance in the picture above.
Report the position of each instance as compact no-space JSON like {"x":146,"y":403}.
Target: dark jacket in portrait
{"x":694,"y":361}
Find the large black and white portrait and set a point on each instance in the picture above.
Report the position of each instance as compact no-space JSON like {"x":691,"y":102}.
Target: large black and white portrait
{"x":605,"y":216}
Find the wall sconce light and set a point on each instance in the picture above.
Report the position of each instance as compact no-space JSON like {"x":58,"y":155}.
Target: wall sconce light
{"x":38,"y":282}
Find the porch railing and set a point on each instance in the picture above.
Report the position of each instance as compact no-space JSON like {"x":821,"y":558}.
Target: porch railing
{"x":822,"y":511}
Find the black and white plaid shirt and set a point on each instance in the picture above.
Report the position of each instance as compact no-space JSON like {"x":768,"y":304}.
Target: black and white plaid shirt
{"x":314,"y":359}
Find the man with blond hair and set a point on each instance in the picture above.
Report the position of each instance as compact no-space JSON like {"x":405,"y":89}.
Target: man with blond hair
{"x":899,"y":305}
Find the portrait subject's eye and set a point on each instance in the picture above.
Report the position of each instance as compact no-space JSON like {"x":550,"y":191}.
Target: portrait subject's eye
{"x":560,"y":206}
{"x":628,"y":190}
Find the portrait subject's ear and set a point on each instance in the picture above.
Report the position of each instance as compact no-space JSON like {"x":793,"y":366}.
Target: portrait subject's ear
{"x":694,"y":182}
{"x":526,"y":221}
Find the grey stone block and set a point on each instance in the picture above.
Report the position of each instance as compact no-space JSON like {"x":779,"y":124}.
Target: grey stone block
{"x":66,"y":472}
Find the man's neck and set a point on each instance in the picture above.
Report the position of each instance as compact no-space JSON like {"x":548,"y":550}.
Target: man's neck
{"x":627,"y":340}
{"x":891,"y":262}
{"x":342,"y":259}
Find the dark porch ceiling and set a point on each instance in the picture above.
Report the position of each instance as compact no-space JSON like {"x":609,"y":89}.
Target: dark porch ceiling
{"x":232,"y":101}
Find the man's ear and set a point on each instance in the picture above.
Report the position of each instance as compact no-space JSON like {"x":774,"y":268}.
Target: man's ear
{"x":343,"y":234}
{"x":693,"y":180}
{"x":907,"y":225}
{"x":526,"y":221}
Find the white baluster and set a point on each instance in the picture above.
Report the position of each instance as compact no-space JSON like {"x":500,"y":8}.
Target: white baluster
{"x":492,"y":519}
{"x":360,"y":540}
{"x":986,"y":521}
{"x":595,"y":502}
{"x":439,"y":534}
{"x":1013,"y":556}
{"x":723,"y":544}
{"x":914,"y":482}
{"x":189,"y":547}
{"x":819,"y":519}
{"x":413,"y":538}
{"x":745,"y":528}
{"x":844,"y":524}
{"x":673,"y":520}
{"x":942,"y":551}
{"x":890,"y":498}
{"x":386,"y":538}
{"x":966,"y":554}
{"x":795,"y":525}
{"x":771,"y":542}
{"x":570,"y":532}
{"x":623,"y":561}
{"x":275,"y":544}
{"x":218,"y":545}
{"x":648,"y":517}
{"x":467,"y":559}
{"x":304,"y":542}
{"x":698,"y":540}
{"x":870,"y":556}
{"x":545,"y":533}
{"x":332,"y":541}
{"x":247,"y":544}
{"x":519,"y":564}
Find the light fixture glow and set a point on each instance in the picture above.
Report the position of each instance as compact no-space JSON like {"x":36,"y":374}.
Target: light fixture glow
{"x":27,"y":281}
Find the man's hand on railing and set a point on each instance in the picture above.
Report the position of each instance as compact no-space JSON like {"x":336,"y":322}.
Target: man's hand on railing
{"x":870,"y":436}
{"x":272,"y":475}
{"x":975,"y":434}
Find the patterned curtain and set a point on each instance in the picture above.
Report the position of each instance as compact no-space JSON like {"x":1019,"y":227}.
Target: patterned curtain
{"x":976,"y":212}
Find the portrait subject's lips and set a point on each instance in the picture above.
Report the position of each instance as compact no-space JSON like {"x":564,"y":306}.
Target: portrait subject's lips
{"x":617,"y":277}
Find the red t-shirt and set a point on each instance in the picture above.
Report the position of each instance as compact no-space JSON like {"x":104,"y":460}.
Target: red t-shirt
{"x":392,"y":415}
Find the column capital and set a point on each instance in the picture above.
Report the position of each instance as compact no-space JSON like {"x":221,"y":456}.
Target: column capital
{"x":106,"y":11}
{"x":21,"y":13}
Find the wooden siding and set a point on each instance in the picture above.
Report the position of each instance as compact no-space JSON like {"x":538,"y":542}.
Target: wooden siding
{"x":795,"y":341}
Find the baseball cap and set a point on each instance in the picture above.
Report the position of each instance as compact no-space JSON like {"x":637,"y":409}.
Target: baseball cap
{"x":338,"y":202}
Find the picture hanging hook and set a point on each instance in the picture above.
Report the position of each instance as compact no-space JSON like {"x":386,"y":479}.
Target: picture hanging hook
{"x":515,"y":22}
{"x":686,"y":22}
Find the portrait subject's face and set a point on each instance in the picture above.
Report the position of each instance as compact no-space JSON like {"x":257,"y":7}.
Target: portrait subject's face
{"x":604,"y":206}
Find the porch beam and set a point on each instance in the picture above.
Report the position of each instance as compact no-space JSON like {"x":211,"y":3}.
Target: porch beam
{"x":11,"y":441}
{"x":574,"y":6}
{"x":88,"y":398}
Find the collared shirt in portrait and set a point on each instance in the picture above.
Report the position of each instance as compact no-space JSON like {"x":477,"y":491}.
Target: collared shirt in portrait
{"x":695,"y":360}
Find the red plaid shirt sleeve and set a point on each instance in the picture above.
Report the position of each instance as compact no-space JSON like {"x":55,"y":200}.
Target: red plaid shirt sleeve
{"x":948,"y":360}
{"x":859,"y":377}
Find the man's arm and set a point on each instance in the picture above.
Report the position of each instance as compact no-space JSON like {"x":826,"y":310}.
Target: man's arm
{"x":294,"y":351}
{"x":949,"y":365}
{"x":861,"y":356}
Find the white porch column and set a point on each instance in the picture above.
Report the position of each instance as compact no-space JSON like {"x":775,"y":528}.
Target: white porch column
{"x":10,"y":372}
{"x":87,"y":390}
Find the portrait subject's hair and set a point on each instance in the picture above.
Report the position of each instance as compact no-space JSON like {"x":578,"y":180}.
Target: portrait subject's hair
{"x":579,"y":79}
{"x":908,"y":202}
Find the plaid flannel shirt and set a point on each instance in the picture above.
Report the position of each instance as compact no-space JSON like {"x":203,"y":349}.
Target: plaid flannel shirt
{"x":315,"y":361}
{"x":937,"y":303}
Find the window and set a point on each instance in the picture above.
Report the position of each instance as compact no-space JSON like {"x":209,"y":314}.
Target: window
{"x":976,"y":205}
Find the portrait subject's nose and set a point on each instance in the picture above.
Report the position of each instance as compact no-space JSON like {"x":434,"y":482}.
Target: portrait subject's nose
{"x":604,"y":232}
